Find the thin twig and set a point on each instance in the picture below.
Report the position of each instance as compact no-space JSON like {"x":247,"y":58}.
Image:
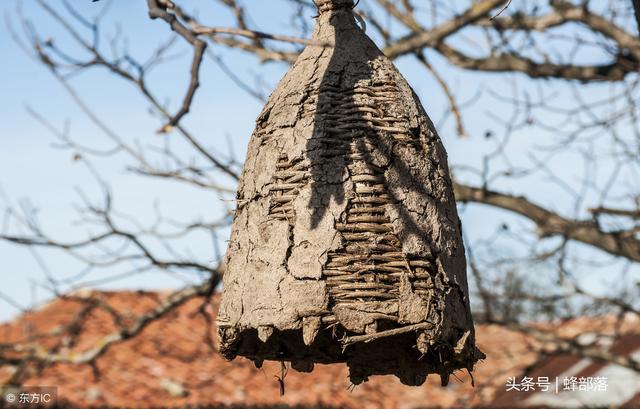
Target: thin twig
{"x":382,"y":334}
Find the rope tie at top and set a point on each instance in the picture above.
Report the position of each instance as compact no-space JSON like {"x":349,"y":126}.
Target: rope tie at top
{"x":329,"y":5}
{"x":334,"y":5}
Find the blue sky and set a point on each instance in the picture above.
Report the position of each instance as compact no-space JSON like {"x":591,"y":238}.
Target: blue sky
{"x":33,"y":171}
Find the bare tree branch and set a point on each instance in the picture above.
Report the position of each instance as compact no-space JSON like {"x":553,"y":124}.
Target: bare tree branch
{"x":550,"y":223}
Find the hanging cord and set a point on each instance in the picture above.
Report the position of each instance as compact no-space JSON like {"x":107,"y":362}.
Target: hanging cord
{"x":359,"y":19}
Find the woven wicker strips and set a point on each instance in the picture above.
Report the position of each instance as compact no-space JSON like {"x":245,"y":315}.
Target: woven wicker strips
{"x":346,"y":244}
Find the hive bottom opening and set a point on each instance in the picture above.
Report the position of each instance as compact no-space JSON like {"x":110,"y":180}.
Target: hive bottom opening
{"x":394,"y":355}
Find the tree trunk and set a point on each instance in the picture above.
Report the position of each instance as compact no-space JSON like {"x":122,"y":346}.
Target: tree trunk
{"x":346,"y":243}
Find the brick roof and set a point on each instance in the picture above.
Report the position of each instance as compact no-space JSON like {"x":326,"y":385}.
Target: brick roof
{"x":174,"y":363}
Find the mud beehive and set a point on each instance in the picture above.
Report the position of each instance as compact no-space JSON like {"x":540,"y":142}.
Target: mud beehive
{"x":346,"y":244}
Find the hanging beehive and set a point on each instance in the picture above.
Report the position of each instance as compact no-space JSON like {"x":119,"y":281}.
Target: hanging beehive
{"x":346,"y":243}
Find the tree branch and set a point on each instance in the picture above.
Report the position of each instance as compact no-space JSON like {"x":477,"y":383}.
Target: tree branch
{"x":158,"y":11}
{"x":551,"y":224}
{"x":37,"y":353}
{"x":419,"y":40}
